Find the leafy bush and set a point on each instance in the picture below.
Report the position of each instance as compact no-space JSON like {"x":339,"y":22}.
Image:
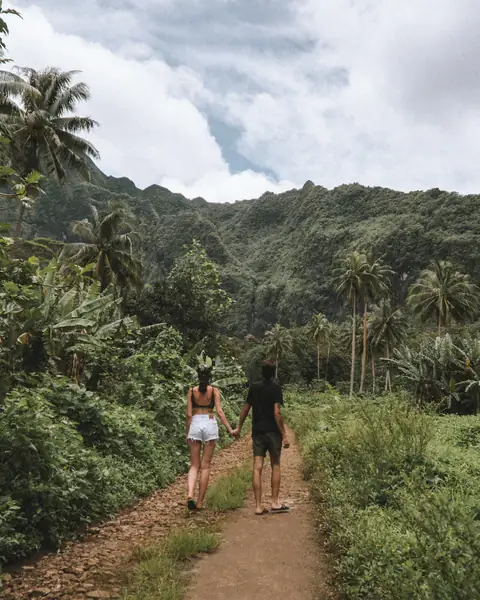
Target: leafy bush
{"x":70,"y":457}
{"x":50,"y":477}
{"x":399,"y":491}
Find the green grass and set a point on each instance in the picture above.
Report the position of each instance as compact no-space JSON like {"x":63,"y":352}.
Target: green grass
{"x":160,"y":571}
{"x":228,"y":492}
{"x":398,"y":491}
{"x":186,"y":543}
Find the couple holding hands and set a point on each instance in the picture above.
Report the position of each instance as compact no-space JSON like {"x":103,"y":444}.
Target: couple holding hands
{"x":268,"y":434}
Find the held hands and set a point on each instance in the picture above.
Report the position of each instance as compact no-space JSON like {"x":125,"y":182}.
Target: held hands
{"x":234,"y":432}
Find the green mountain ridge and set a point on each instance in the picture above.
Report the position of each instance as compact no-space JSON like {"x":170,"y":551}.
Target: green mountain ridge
{"x":277,"y":253}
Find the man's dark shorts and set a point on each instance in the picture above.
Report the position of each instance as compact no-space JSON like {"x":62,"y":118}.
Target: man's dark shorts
{"x":271,"y":442}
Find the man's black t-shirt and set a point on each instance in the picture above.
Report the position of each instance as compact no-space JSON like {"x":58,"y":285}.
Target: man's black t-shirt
{"x":262,"y":397}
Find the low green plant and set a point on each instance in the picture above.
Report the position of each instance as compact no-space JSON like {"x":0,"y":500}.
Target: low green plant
{"x":398,"y":489}
{"x":188,"y":542}
{"x":160,"y":570}
{"x":228,"y":492}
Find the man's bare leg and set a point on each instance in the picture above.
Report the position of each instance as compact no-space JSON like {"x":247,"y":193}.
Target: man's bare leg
{"x":275,"y":463}
{"x":257,"y":483}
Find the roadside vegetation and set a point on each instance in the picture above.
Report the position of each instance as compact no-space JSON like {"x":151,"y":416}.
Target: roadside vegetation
{"x":397,"y":490}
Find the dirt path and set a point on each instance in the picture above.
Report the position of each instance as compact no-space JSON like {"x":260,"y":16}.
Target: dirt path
{"x":92,"y":568}
{"x":268,"y":557}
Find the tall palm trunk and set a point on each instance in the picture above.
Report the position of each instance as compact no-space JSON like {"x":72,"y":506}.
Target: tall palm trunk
{"x":354,"y":323}
{"x":373,"y":376}
{"x":439,"y":325}
{"x":364,"y":353}
{"x":18,"y":226}
{"x":328,"y":360}
{"x":318,"y":361}
{"x":388,"y":383}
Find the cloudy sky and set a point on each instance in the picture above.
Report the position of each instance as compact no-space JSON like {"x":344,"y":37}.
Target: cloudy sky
{"x":230,"y":98}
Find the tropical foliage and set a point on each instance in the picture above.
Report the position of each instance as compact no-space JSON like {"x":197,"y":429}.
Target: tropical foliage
{"x":320,"y":330}
{"x":36,"y":115}
{"x":387,"y":327}
{"x":398,"y":491}
{"x":444,"y":294}
{"x":278,"y":342}
{"x":107,"y":243}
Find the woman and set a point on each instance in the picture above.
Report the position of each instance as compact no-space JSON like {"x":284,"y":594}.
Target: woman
{"x":202,"y":428}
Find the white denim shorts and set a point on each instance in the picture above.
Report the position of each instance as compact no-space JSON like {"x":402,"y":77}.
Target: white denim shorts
{"x":203,"y":428}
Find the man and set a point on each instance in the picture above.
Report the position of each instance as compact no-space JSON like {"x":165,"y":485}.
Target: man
{"x":268,"y":434}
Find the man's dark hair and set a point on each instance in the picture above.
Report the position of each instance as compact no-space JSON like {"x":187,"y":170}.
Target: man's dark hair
{"x":268,"y":370}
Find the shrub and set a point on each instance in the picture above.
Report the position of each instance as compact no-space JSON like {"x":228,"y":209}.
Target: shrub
{"x":50,"y":477}
{"x":399,"y":491}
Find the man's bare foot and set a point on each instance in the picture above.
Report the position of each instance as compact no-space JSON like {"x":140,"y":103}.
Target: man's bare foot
{"x":280,"y":508}
{"x":261,"y":511}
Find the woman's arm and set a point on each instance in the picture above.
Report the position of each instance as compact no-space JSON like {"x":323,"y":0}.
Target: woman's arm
{"x":220,"y":413}
{"x":189,"y":410}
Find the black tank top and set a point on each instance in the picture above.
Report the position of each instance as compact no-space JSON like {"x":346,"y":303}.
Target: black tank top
{"x":210,"y":405}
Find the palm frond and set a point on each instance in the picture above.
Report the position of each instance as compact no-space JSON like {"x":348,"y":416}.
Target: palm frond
{"x":73,"y":162}
{"x":75,"y":124}
{"x":55,"y":82}
{"x":69,"y":98}
{"x":79,"y":146}
{"x":84,"y":230}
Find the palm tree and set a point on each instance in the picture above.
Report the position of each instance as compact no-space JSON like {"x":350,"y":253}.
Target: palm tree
{"x":374,"y":287}
{"x":387,"y":329}
{"x":319,"y":329}
{"x":444,"y":293}
{"x":278,"y":341}
{"x":108,"y":245}
{"x":349,"y":283}
{"x":37,"y":109}
{"x":4,"y":31}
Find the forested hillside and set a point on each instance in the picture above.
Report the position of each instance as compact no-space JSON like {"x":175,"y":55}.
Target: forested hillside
{"x":277,"y":253}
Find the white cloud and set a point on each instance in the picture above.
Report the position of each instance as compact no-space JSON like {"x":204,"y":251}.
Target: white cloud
{"x":218,"y":185}
{"x":151,"y":130}
{"x":408,"y":117}
{"x":375,"y":91}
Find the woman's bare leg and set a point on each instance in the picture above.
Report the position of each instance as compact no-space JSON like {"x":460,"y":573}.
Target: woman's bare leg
{"x":208,"y":450}
{"x":195,"y":448}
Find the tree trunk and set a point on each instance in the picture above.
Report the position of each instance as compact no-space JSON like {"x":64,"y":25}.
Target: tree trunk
{"x":18,"y":226}
{"x":354,"y":323}
{"x":253,"y":300}
{"x":328,"y":360}
{"x":373,"y":376}
{"x":318,"y":361}
{"x":439,"y":325}
{"x":276,"y":366}
{"x":364,"y":354}
{"x":387,"y":376}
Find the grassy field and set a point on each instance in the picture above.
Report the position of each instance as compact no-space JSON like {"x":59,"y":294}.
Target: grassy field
{"x":399,"y":493}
